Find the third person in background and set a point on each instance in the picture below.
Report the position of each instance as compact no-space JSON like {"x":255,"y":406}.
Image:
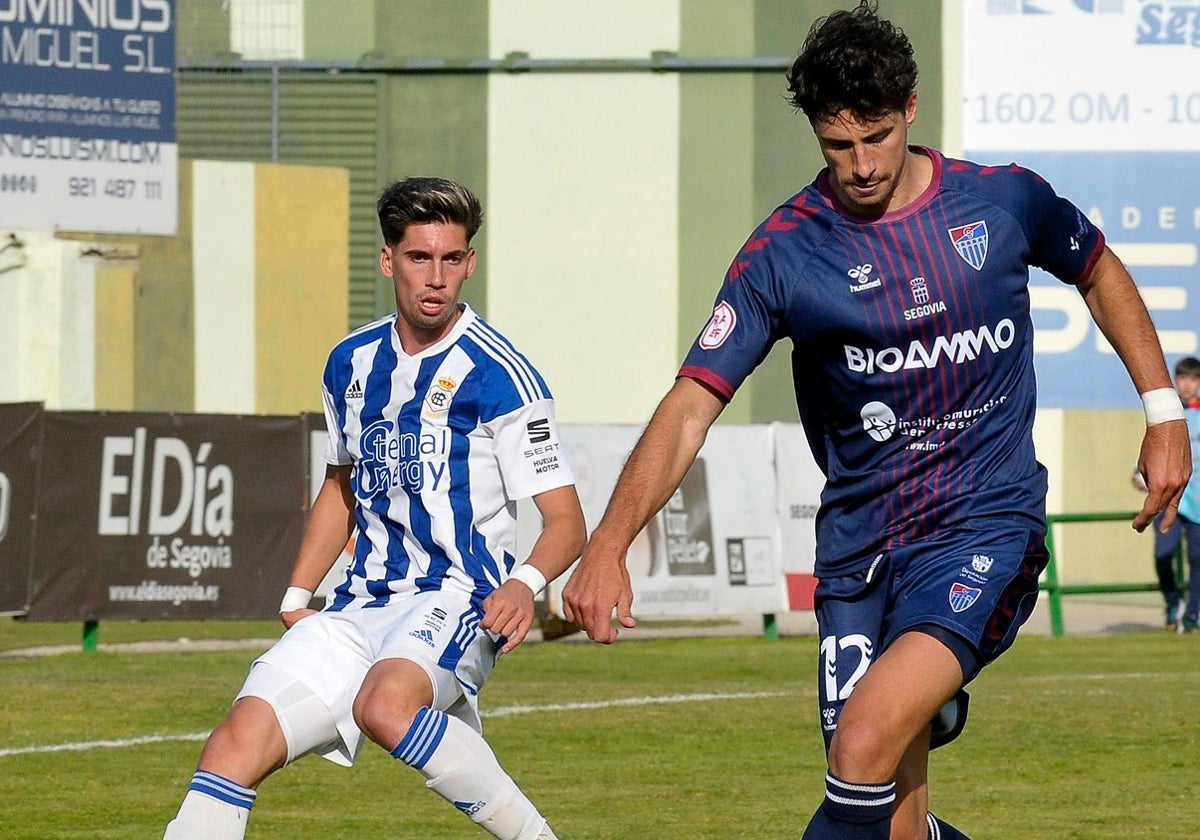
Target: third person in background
{"x":1180,"y":616}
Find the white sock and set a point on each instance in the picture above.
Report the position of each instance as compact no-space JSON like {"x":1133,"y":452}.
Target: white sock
{"x":460,"y":766}
{"x":214,"y":808}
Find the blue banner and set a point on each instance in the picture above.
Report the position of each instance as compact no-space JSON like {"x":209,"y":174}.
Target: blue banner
{"x":1148,"y":205}
{"x":87,"y":115}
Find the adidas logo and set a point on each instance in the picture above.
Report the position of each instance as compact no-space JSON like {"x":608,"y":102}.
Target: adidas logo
{"x":354,"y":392}
{"x":424,"y":635}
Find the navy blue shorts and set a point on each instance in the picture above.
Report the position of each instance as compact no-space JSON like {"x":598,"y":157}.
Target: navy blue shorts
{"x":970,"y":589}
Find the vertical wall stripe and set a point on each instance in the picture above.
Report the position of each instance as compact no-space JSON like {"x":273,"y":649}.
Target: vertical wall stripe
{"x":164,"y":322}
{"x":952,"y":67}
{"x":301,"y":293}
{"x":716,"y":170}
{"x":223,"y":270}
{"x":17,"y":314}
{"x":1098,"y":450}
{"x":433,"y":123}
{"x":114,"y":335}
{"x":77,"y":347}
{"x":35,"y":285}
{"x":582,"y":234}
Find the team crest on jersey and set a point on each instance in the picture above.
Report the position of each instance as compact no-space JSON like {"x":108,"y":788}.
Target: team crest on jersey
{"x":971,"y":242}
{"x":439,"y":396}
{"x":963,"y":597}
{"x":719,"y":327}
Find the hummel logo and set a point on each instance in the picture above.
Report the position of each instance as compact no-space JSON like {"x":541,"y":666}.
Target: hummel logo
{"x":424,"y":635}
{"x":861,"y":275}
{"x":354,"y":392}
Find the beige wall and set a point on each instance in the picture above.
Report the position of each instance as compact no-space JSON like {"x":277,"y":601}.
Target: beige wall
{"x":234,"y":314}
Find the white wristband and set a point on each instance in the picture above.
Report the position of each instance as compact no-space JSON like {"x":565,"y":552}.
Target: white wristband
{"x":529,"y":576}
{"x":296,"y":598}
{"x":1162,"y":405}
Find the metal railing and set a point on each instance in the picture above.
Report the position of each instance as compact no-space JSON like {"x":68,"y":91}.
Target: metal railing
{"x":1055,"y":590}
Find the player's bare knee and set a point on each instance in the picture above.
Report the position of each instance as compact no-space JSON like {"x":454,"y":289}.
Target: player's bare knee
{"x":242,"y":760}
{"x":369,"y":715}
{"x":863,"y":751}
{"x":381,"y":716}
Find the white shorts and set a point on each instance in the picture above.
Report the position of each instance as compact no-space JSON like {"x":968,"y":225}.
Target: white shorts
{"x":331,"y":652}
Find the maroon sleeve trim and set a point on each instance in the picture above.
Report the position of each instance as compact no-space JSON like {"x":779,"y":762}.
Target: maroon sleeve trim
{"x":710,"y":380}
{"x":1093,"y":258}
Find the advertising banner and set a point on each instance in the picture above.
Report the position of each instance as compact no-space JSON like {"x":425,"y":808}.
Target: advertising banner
{"x":714,"y":548}
{"x":20,"y":436}
{"x":87,"y":116}
{"x":799,"y":482}
{"x":1100,"y":98}
{"x":167,"y":516}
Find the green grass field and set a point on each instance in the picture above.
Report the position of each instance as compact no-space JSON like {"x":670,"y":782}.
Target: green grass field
{"x":1082,"y":737}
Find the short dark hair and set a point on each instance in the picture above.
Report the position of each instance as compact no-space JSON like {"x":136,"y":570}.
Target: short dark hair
{"x":423,"y":200}
{"x":1188,"y":366}
{"x":856,"y":61}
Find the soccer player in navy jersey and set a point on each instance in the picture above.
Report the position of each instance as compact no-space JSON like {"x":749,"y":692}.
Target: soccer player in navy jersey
{"x":901,"y":279}
{"x":437,"y":425}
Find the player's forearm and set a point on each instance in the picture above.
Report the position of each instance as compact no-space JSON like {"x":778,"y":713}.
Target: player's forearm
{"x":1118,"y":310}
{"x":658,"y":463}
{"x":563,"y":534}
{"x":330,"y":523}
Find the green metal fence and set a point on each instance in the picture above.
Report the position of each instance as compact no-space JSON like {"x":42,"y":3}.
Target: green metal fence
{"x":1055,"y":590}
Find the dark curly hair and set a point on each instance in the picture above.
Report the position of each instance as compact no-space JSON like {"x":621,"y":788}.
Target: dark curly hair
{"x":853,"y":60}
{"x":423,"y":200}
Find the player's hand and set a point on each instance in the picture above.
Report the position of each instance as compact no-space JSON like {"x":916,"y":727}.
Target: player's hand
{"x":508,"y":612}
{"x":599,"y":585}
{"x":1166,"y":463}
{"x":289,"y":619}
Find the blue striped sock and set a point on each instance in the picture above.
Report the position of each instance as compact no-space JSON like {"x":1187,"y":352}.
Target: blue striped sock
{"x":422,"y":738}
{"x":853,"y":811}
{"x":218,"y":787}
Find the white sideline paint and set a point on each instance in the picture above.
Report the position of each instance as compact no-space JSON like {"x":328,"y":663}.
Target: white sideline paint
{"x":503,"y":711}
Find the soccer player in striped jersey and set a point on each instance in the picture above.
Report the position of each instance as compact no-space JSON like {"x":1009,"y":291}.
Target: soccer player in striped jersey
{"x":437,"y":425}
{"x":901,"y":278}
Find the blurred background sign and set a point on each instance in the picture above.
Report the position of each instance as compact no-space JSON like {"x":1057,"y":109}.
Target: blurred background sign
{"x":87,"y":116}
{"x":1116,"y":129}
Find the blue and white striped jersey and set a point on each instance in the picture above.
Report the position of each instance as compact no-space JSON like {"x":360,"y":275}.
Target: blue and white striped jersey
{"x":912,"y":348}
{"x":441,"y":444}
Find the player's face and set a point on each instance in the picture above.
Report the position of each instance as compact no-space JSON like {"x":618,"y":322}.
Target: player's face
{"x":428,"y":267}
{"x":1188,"y":386}
{"x":867,"y":158}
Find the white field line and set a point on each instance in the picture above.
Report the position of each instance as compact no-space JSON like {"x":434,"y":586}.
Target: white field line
{"x":503,"y":711}
{"x":507,"y":711}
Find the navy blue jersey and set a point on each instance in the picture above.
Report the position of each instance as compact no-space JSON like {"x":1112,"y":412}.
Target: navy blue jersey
{"x":912,"y":347}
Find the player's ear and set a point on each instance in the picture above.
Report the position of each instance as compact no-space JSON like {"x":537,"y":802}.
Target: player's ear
{"x":470,"y":262}
{"x":910,"y":109}
{"x":385,"y":261}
